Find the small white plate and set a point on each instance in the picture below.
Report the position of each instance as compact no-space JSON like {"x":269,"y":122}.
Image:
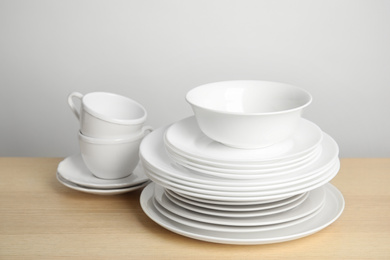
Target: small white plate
{"x":186,"y":136}
{"x":232,"y":214}
{"x":225,"y":228}
{"x":332,"y":209}
{"x":236,"y":207}
{"x":313,"y":202}
{"x":74,"y":170}
{"x":232,"y":202}
{"x":99,"y":191}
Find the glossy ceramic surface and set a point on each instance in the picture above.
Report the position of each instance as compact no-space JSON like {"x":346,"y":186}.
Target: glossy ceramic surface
{"x":111,"y":158}
{"x":155,"y":159}
{"x":189,"y":141}
{"x":242,"y":207}
{"x":73,"y":169}
{"x":331,"y":210}
{"x":99,"y":191}
{"x":260,"y":195}
{"x":108,"y":115}
{"x":248,"y":114}
{"x":171,"y":203}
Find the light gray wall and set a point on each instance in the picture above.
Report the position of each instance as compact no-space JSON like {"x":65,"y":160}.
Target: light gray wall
{"x":155,"y":51}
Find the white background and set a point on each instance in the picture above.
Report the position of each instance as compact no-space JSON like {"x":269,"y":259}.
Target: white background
{"x":155,"y":51}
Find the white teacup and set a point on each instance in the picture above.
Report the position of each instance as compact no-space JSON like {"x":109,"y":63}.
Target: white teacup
{"x":111,"y":158}
{"x":108,"y":115}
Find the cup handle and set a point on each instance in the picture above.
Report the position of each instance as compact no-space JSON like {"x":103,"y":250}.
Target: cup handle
{"x":72,"y":105}
{"x":145,"y":129}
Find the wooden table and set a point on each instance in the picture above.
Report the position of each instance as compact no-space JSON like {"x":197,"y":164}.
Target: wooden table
{"x":42,"y":219}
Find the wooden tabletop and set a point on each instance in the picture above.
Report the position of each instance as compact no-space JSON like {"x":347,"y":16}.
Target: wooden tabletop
{"x":42,"y":219}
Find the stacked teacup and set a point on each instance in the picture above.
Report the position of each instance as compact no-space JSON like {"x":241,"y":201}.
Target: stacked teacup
{"x":111,"y":129}
{"x":245,"y":169}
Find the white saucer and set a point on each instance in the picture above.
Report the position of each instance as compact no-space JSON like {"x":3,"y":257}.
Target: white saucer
{"x":73,"y":169}
{"x":100,"y":191}
{"x":186,"y":136}
{"x":313,"y":202}
{"x":332,"y":209}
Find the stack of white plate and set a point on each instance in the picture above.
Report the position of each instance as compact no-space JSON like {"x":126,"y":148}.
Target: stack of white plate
{"x":188,"y":146}
{"x":212,"y":192}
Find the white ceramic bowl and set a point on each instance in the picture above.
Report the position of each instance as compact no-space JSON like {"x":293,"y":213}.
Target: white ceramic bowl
{"x":248,"y":114}
{"x":111,"y":158}
{"x":108,"y":115}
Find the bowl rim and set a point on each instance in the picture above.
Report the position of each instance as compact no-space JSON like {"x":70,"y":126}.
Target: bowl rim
{"x":309,"y":96}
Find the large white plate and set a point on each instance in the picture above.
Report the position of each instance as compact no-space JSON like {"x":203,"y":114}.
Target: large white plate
{"x":332,"y":209}
{"x":155,"y":158}
{"x":186,"y":136}
{"x":313,"y":202}
{"x":99,"y":191}
{"x":74,"y":170}
{"x":245,"y":195}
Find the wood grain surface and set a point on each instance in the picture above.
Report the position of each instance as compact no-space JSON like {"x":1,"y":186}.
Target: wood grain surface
{"x":42,"y":219}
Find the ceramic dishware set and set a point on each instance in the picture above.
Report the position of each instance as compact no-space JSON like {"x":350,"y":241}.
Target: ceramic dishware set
{"x":111,"y":130}
{"x":245,"y":169}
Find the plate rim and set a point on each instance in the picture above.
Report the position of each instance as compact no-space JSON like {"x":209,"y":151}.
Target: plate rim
{"x":138,"y":174}
{"x":333,"y":191}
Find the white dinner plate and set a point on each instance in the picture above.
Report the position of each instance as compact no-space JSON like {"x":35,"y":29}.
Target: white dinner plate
{"x":236,"y":207}
{"x":186,"y":136}
{"x":228,"y":171}
{"x":257,"y":185}
{"x":99,"y":191}
{"x":250,"y":174}
{"x":281,"y":164}
{"x":313,"y":202}
{"x":154,"y":157}
{"x":329,"y":151}
{"x":245,"y":195}
{"x":332,"y":209}
{"x":225,"y":228}
{"x":237,"y":187}
{"x":74,"y":170}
